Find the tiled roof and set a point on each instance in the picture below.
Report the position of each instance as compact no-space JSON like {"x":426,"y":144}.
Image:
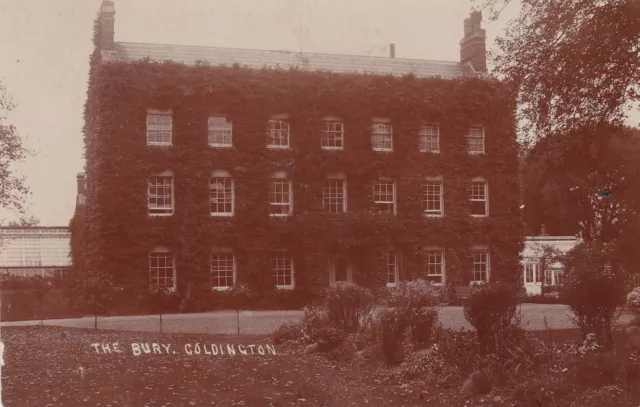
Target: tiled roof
{"x":128,"y":51}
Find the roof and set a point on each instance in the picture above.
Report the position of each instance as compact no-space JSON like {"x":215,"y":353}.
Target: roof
{"x":130,"y":51}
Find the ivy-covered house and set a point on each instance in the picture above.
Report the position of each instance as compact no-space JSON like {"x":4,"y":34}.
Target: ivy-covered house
{"x":289,"y":172}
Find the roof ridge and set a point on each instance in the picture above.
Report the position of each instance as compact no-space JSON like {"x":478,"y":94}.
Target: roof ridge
{"x":291,"y":52}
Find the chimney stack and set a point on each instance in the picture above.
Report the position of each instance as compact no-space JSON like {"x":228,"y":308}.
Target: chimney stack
{"x":543,"y":230}
{"x":473,"y":44}
{"x":106,"y":29}
{"x":392,"y":50}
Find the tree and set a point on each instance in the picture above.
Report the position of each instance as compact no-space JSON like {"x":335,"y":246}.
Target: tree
{"x":12,"y":188}
{"x":573,"y":63}
{"x":24,"y":222}
{"x":594,"y":288}
{"x":585,"y":183}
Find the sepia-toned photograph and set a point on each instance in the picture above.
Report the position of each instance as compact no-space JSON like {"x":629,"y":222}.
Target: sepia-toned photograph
{"x":320,"y":203}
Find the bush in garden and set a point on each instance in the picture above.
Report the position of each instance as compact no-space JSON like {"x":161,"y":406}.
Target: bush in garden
{"x":633,"y":304}
{"x":240,"y":296}
{"x":329,"y":338}
{"x":392,"y":327}
{"x":492,"y":310}
{"x":314,"y":319}
{"x":415,"y":302}
{"x":347,"y":305}
{"x":288,"y":331}
{"x":429,"y":365}
{"x":458,"y":348}
{"x":594,"y":288}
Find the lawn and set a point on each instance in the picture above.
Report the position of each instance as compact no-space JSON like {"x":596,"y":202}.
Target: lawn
{"x":53,"y":366}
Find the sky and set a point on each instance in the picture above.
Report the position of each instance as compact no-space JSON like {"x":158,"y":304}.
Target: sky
{"x":45,"y":47}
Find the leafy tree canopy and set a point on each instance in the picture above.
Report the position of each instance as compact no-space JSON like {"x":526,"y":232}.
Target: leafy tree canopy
{"x":583,"y":183}
{"x":574,"y":63}
{"x":12,"y":188}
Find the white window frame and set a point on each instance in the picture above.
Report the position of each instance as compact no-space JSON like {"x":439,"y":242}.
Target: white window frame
{"x":274,"y":271}
{"x":170,"y":210}
{"x":487,"y":252}
{"x":280,"y":176}
{"x":281,"y":119}
{"x":440,"y":181}
{"x":424,"y":136}
{"x":486,"y":196}
{"x":327,"y":134}
{"x":396,"y":267}
{"x":375,"y":133}
{"x":425,"y":264}
{"x":220,"y":174}
{"x":162,"y":250}
{"x":472,"y":135}
{"x":216,"y":130}
{"x":395,"y":193}
{"x":150,"y":127}
{"x":332,"y":275}
{"x":325,"y":197}
{"x":217,"y":251}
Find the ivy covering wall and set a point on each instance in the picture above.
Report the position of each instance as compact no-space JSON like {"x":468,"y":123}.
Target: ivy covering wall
{"x":118,"y":233}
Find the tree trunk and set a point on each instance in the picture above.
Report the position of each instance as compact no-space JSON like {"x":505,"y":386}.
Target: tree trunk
{"x":95,"y":323}
{"x":160,"y":323}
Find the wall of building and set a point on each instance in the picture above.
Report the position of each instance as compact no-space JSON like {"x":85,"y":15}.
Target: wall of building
{"x":119,"y":164}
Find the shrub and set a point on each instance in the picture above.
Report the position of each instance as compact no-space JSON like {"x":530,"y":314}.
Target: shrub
{"x":414,"y":302}
{"x":288,"y":331}
{"x":347,"y":305}
{"x":330,"y":338}
{"x":430,"y":366}
{"x":633,"y":304}
{"x":413,"y":294}
{"x":240,"y":296}
{"x":392,"y":326}
{"x":314,"y":319}
{"x":458,"y":348}
{"x":594,"y":288}
{"x":492,"y":310}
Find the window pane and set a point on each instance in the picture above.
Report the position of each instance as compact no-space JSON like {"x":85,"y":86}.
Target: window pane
{"x":159,"y":129}
{"x":432,"y":201}
{"x":332,"y":134}
{"x":160,"y":195}
{"x":429,"y":138}
{"x":161,"y":270}
{"x":219,"y":131}
{"x":434,"y":265}
{"x":222,"y":269}
{"x":384,"y":195}
{"x":280,"y":197}
{"x":334,"y":195}
{"x":221,"y":195}
{"x":480,"y":265}
{"x":282,"y":269}
{"x":278,"y":133}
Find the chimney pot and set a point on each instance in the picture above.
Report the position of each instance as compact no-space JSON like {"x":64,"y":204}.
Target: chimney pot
{"x":392,"y":50}
{"x":543,"y":230}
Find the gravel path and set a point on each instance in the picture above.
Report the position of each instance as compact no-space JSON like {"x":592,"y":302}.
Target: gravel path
{"x":265,"y":322}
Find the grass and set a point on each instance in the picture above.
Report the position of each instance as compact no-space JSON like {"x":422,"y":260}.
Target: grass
{"x":44,"y":367}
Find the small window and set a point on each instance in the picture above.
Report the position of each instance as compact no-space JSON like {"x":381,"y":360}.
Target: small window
{"x":432,"y":201}
{"x":160,"y":194}
{"x":221,"y":194}
{"x":220,"y":131}
{"x":478,"y":192}
{"x":384,"y":195}
{"x":558,"y":276}
{"x":282,"y":269}
{"x":332,"y":134}
{"x":430,"y":139}
{"x":159,"y":127}
{"x":382,"y":136}
{"x":390,"y":260}
{"x":475,"y":140}
{"x":162,"y":269}
{"x":280,"y":196}
{"x":529,"y":273}
{"x":223,"y":269}
{"x":278,"y":133}
{"x":434,"y":266}
{"x":334,"y":194}
{"x":480,"y":265}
